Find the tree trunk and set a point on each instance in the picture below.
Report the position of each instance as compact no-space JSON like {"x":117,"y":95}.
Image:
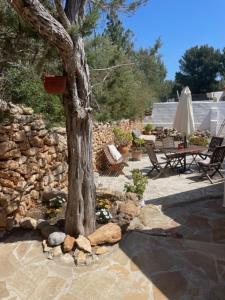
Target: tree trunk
{"x":80,"y":213}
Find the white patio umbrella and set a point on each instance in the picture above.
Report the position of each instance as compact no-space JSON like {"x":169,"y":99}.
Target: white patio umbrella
{"x":184,"y":119}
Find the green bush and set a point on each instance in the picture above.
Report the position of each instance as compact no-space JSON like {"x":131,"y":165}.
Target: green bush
{"x":139,"y":184}
{"x":26,"y":87}
{"x":198,"y":140}
{"x":122,"y":137}
{"x":148,"y":127}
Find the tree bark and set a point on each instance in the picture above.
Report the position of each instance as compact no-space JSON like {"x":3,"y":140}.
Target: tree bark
{"x":80,"y":213}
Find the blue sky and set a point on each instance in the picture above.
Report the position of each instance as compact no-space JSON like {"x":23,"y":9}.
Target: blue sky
{"x":181,"y":24}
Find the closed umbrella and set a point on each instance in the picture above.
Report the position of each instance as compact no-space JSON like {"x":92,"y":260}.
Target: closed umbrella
{"x":184,"y":119}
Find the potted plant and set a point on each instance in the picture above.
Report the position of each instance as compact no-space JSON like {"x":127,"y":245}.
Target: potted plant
{"x":122,"y":140}
{"x":148,"y":128}
{"x":137,"y":146}
{"x":54,"y":84}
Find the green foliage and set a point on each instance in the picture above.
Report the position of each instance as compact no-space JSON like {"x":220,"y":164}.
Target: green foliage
{"x":56,"y":202}
{"x":122,"y":137}
{"x":198,"y":140}
{"x":116,"y":33}
{"x":139,"y":184}
{"x":148,"y":127}
{"x":25,"y":87}
{"x":200,"y":68}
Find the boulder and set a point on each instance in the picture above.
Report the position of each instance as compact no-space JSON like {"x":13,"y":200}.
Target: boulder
{"x":109,"y":233}
{"x":68,"y":243}
{"x":129,"y":208}
{"x":83,"y":244}
{"x":56,"y":238}
{"x":28,"y":223}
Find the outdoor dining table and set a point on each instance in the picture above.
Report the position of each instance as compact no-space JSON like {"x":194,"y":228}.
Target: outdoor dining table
{"x":184,"y":152}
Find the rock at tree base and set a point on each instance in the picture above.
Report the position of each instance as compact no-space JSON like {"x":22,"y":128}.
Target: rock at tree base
{"x":47,"y":230}
{"x":56,"y":238}
{"x":57,"y":251}
{"x":80,"y":257}
{"x":46,"y":248}
{"x":109,"y":233}
{"x":68,"y":243}
{"x":83,"y":244}
{"x":28,"y":223}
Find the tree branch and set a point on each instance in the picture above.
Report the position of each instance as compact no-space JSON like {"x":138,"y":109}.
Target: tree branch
{"x":114,"y":67}
{"x":62,"y":16}
{"x":43,"y":23}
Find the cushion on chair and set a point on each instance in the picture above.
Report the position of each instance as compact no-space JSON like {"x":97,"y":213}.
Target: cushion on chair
{"x":114,"y":152}
{"x":150,"y":137}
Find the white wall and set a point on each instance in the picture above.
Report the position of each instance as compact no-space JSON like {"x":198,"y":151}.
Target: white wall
{"x":207,"y":115}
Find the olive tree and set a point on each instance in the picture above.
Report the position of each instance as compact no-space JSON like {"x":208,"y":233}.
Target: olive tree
{"x":64,"y":33}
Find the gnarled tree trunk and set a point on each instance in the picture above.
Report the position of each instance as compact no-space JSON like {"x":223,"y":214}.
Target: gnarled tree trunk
{"x":80,"y":214}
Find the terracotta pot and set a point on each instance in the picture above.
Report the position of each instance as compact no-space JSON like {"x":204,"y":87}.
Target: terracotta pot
{"x":124,"y":150}
{"x":55,"y":84}
{"x":136,"y":154}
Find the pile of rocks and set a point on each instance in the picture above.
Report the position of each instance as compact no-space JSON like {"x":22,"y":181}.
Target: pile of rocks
{"x":84,"y":250}
{"x":32,"y":160}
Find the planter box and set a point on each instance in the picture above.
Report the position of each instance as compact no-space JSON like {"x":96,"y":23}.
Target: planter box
{"x":55,"y":84}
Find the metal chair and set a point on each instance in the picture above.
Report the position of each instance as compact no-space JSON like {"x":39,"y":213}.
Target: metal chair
{"x":209,"y":169}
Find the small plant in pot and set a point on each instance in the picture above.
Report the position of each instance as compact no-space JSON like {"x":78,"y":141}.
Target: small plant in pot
{"x":148,"y":128}
{"x":122,"y":140}
{"x":137,"y":149}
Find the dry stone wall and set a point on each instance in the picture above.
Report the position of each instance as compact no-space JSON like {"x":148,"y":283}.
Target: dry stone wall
{"x":33,"y":159}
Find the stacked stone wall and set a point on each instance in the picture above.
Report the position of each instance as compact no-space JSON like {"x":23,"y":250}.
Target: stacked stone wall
{"x":32,"y":160}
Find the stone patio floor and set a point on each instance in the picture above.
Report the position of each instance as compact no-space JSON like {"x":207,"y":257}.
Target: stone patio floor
{"x":175,"y":251}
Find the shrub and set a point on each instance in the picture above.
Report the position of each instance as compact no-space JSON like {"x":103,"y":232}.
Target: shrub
{"x":148,"y":127}
{"x":139,"y":184}
{"x":198,"y":140}
{"x":122,"y":137}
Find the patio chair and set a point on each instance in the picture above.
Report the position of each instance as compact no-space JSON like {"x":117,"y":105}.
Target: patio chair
{"x":216,"y":141}
{"x":160,"y":167}
{"x":210,"y":168}
{"x":111,"y":165}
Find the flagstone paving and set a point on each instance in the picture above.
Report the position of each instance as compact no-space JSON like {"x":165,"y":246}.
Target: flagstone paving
{"x":144,"y":265}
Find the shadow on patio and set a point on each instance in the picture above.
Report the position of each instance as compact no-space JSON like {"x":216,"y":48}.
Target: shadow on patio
{"x":180,"y":248}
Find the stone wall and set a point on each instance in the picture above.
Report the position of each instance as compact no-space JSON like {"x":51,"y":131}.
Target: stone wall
{"x":33,"y":159}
